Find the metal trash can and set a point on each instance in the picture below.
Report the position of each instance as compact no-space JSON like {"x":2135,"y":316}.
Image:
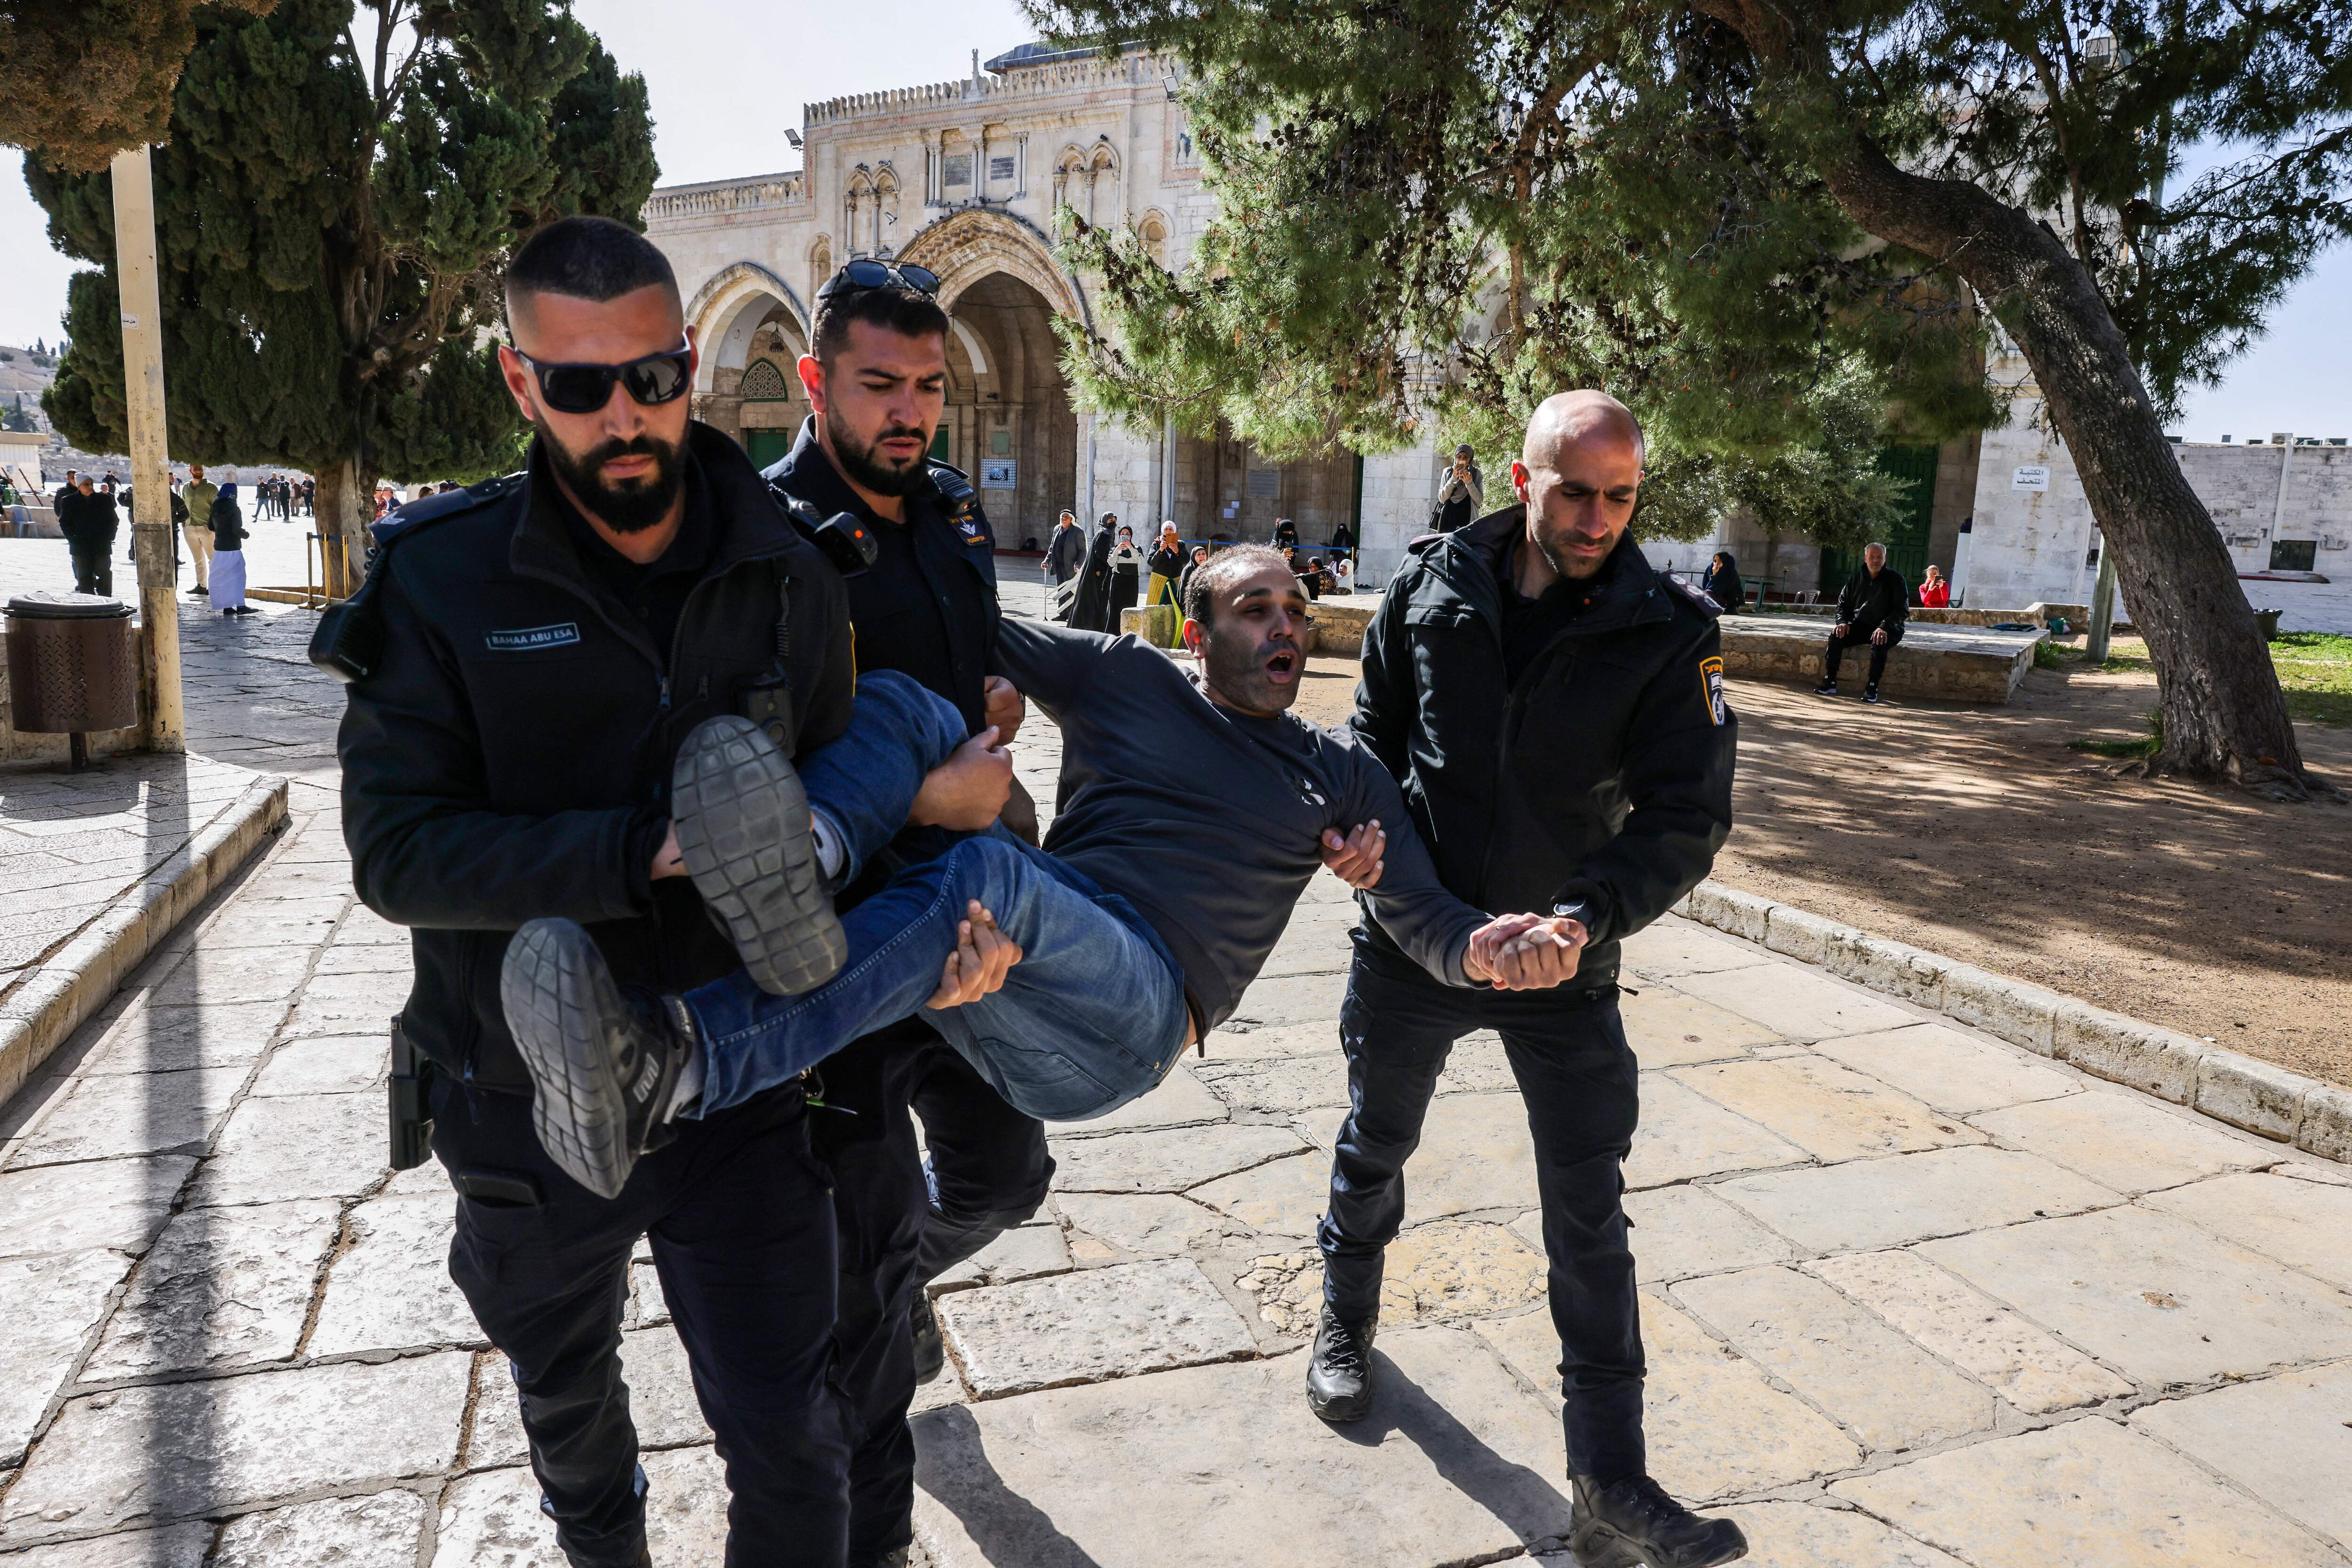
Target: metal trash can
{"x":2268,"y":620}
{"x":73,"y":667}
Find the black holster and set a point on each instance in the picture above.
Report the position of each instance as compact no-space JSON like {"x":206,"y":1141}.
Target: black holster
{"x":410,"y":1092}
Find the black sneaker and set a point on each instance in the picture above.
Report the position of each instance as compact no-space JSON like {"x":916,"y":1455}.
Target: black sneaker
{"x":1339,"y":1368}
{"x":931,"y":1349}
{"x":201,"y":589}
{"x":1632,"y":1523}
{"x":604,"y":1062}
{"x":1826,"y":689}
{"x":743,"y":828}
{"x":1870,"y":692}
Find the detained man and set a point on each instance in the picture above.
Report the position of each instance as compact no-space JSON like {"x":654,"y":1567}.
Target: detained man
{"x":1192,"y":817}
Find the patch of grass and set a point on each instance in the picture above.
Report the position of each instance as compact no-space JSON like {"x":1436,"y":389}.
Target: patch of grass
{"x":2146,"y":745}
{"x":2051,"y":656}
{"x":2315,"y":670}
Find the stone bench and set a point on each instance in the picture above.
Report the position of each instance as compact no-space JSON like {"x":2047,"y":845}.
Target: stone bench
{"x":1338,"y":624}
{"x":2039,"y":614}
{"x":1951,"y":664}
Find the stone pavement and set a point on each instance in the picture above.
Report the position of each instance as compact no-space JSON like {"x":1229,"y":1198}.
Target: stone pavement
{"x":1913,"y":1297}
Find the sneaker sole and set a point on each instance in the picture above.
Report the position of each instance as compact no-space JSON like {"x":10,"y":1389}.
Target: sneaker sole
{"x":1339,"y":1412}
{"x":742,"y":823}
{"x":563,"y":1009}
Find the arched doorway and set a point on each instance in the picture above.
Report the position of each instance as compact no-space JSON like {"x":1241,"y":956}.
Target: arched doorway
{"x":1009,"y":422}
{"x":752,"y":333}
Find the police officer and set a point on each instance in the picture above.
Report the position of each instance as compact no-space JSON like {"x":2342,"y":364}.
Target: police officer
{"x":927,"y":607}
{"x":546,"y":642}
{"x":1554,"y":710}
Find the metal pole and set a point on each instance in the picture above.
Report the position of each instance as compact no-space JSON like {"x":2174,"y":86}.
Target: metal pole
{"x":2103,"y":606}
{"x":150,"y":480}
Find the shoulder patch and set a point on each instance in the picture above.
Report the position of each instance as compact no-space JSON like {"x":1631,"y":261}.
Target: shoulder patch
{"x":1699,"y":597}
{"x":1710,"y":685}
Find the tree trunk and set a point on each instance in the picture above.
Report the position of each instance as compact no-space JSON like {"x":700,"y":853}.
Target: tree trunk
{"x":2224,"y":717}
{"x":343,"y":515}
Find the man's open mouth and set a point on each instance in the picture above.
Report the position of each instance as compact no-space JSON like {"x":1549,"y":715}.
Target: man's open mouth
{"x":1282,"y":665}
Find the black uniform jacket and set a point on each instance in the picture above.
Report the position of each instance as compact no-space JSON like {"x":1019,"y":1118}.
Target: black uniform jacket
{"x":510,"y":757}
{"x":1600,"y":784}
{"x":927,"y":607}
{"x":1870,"y":604}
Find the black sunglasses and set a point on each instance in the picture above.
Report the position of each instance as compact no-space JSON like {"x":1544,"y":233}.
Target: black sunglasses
{"x":877,"y":274}
{"x":654,"y":379}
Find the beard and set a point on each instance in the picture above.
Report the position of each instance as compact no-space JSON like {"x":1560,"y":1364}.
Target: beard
{"x":632,"y":506}
{"x":864,"y":466}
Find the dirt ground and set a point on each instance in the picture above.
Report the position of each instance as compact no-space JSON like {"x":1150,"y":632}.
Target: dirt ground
{"x":1975,"y":833}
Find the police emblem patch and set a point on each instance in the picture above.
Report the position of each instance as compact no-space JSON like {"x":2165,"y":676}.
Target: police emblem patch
{"x":1710,"y":682}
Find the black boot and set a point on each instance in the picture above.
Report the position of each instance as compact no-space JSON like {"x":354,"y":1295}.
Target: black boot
{"x":1632,"y":1523}
{"x":931,"y":1349}
{"x":743,"y":822}
{"x":1339,"y":1368}
{"x":604,"y":1063}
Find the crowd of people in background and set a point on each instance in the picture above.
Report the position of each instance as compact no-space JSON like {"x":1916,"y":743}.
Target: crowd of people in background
{"x":1090,"y":578}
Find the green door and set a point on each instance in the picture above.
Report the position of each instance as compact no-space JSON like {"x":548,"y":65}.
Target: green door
{"x":765,"y":447}
{"x":1906,"y":540}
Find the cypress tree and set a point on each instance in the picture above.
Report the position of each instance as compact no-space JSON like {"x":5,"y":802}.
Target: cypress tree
{"x":85,"y":79}
{"x":1730,"y":210}
{"x":328,"y":230}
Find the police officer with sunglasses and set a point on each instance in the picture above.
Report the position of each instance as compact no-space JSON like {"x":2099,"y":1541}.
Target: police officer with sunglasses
{"x":927,"y":607}
{"x":524,"y":661}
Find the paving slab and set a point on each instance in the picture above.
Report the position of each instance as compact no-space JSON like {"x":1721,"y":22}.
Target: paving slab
{"x":1180,"y":1101}
{"x":1674,"y":946}
{"x":1025,"y":1252}
{"x":1795,"y":1002}
{"x":152,"y":1037}
{"x":283,"y":924}
{"x":1116,"y":1322}
{"x":390,"y":1288}
{"x":164,"y":1451}
{"x":647,"y":1304}
{"x":2155,"y":1297}
{"x":1958,"y":1074}
{"x":118,"y":1203}
{"x":337,"y":1064}
{"x":491,"y":1519}
{"x":1476,"y":1154}
{"x":2287,"y":1440}
{"x":662,"y":1401}
{"x":1682,"y":1134}
{"x":1880,"y":1386}
{"x":1715,"y":1426}
{"x":52,"y":1303}
{"x":1453,"y":1464}
{"x":1165,"y":1161}
{"x":384,"y":1530}
{"x":223,"y":1287}
{"x":2030,"y":1369}
{"x":494,"y":1434}
{"x":2085,"y":1494}
{"x":1869,"y":1204}
{"x":215,"y":976}
{"x":1279,"y":1084}
{"x":302,"y":1146}
{"x":143,"y":1113}
{"x":345,"y":1004}
{"x":2303,"y":1224}
{"x":1246,"y":1041}
{"x":1282,"y":1197}
{"x":1827,"y":1110}
{"x":1477,"y":1065}
{"x":1293,"y":999}
{"x":1666,"y":1028}
{"x":2125,"y":1141}
{"x":1146,"y":1225}
{"x":181,"y":1546}
{"x":1682,"y":1231}
{"x":1806,"y":1535}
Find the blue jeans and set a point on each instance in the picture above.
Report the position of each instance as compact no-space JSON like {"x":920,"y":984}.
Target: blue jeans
{"x":1091,"y":1017}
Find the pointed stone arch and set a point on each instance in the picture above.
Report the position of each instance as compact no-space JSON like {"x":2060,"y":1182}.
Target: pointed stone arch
{"x":965,"y":246}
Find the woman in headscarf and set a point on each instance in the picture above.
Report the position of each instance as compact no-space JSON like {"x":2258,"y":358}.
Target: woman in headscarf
{"x":1167,"y":564}
{"x":1092,"y":610}
{"x":1184,"y":580}
{"x":1722,"y":583}
{"x":1126,"y":576}
{"x":229,"y":553}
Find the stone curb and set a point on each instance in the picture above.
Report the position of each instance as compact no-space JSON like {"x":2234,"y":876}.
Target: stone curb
{"x":76,"y":981}
{"x":2256,"y":1097}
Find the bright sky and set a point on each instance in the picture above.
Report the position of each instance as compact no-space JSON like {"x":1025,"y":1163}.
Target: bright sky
{"x":729,"y":77}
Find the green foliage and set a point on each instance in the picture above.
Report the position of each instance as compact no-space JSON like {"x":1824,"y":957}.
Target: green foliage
{"x":86,"y":79}
{"x":328,"y":230}
{"x":2138,"y":746}
{"x":2048,"y":654}
{"x":16,"y":419}
{"x":2316,"y":670}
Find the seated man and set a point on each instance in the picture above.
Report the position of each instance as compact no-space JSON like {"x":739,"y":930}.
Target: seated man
{"x":1192,"y":818}
{"x":1871,"y":609}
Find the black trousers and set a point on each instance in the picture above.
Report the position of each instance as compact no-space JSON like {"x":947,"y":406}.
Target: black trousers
{"x":903,"y":1221}
{"x":1576,"y":1077}
{"x":742,"y":1231}
{"x":93,"y":568}
{"x":1859,"y":637}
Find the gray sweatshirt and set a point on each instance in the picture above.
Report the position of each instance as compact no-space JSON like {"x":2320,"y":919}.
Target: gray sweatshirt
{"x":1209,"y":821}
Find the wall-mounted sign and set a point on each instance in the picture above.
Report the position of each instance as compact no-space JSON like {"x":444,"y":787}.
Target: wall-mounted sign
{"x":999,"y":168}
{"x":2028,"y":476}
{"x":957,"y":170}
{"x":1264,"y":484}
{"x":997,"y":473}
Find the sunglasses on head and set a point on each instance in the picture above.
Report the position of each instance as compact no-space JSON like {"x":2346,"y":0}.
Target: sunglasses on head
{"x":654,"y":379}
{"x":877,"y":274}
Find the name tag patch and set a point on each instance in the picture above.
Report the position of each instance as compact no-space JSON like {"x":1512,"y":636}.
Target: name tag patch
{"x":523,"y":639}
{"x":1710,"y":675}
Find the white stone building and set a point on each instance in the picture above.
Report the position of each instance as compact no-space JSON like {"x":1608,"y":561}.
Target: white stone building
{"x":963,"y":177}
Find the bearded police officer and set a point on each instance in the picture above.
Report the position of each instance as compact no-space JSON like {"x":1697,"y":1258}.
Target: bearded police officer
{"x":533,"y":651}
{"x":1554,"y":710}
{"x":927,"y":607}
